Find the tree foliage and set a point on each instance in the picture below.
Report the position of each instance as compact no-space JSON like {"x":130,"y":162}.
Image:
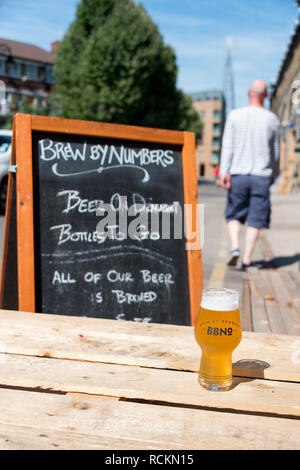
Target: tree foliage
{"x":112,"y":65}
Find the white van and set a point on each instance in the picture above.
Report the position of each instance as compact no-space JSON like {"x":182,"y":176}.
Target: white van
{"x":5,"y":150}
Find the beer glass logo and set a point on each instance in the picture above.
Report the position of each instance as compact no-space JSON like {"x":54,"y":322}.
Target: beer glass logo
{"x":219,"y":331}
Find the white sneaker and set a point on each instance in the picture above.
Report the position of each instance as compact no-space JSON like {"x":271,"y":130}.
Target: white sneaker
{"x":233,"y":258}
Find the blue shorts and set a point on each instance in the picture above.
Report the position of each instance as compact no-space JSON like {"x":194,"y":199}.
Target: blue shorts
{"x":248,"y":200}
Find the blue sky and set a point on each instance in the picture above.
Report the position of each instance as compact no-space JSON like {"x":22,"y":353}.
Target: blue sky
{"x":197,"y":29}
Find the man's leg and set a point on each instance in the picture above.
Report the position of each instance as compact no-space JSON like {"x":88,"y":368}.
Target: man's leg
{"x":235,"y":213}
{"x":234,"y":228}
{"x":250,"y":241}
{"x":259,"y":213}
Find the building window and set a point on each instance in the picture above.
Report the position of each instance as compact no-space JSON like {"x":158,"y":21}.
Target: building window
{"x":20,"y":100}
{"x":42,"y":73}
{"x":49,"y":75}
{"x":41,"y":102}
{"x":12,"y":69}
{"x":23,"y":70}
{"x":29,"y":99}
{"x":216,"y":128}
{"x":1,"y":66}
{"x":202,"y":115}
{"x":217,"y":114}
{"x":216,"y":142}
{"x":13,"y":101}
{"x":31,"y":72}
{"x":215,"y":157}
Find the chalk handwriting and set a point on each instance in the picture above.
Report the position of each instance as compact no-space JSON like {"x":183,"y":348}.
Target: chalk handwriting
{"x":129,"y":298}
{"x":109,"y":157}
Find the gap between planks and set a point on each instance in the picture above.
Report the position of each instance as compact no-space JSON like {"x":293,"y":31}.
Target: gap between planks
{"x":152,"y":402}
{"x":143,"y":387}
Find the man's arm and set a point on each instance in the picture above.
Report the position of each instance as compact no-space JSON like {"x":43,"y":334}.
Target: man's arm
{"x":227,"y":153}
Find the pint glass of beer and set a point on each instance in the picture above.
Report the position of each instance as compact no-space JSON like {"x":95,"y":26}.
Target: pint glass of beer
{"x":218,"y":332}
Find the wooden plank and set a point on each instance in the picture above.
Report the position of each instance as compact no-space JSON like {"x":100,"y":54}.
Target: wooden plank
{"x":100,"y":129}
{"x":289,"y":315}
{"x":51,"y":421}
{"x":246,"y":310}
{"x":275,"y":318}
{"x":266,"y":250}
{"x":296,"y":295}
{"x":259,"y":315}
{"x":149,"y":345}
{"x":261,"y":283}
{"x":274,"y":314}
{"x":292,"y":283}
{"x":265,"y":289}
{"x":191,"y":199}
{"x":147,"y":384}
{"x":25,"y":222}
{"x":296,"y":279}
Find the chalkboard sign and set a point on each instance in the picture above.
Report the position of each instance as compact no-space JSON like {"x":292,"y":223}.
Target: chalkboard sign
{"x":100,"y":222}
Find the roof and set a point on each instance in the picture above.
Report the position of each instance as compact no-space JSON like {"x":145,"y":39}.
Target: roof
{"x":207,"y":95}
{"x":23,"y":50}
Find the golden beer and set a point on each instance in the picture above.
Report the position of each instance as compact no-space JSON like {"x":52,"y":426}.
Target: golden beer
{"x":218,"y":332}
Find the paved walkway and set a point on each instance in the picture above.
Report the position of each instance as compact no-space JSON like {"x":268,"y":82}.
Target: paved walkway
{"x":284,"y":235}
{"x":281,"y":241}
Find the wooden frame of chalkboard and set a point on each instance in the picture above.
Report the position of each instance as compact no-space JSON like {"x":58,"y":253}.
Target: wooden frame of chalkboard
{"x":18,"y":289}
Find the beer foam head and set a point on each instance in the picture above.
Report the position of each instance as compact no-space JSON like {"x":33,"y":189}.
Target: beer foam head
{"x":222,"y":300}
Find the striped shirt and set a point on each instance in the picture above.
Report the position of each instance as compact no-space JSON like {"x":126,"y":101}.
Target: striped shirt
{"x":250,"y":144}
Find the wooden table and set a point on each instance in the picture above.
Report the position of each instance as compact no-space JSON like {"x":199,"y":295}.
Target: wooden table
{"x":82,"y":383}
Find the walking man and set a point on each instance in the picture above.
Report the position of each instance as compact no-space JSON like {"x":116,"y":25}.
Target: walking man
{"x":249,"y":164}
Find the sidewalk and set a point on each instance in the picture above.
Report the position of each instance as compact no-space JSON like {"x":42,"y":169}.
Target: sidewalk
{"x":283,"y":236}
{"x":271,"y":289}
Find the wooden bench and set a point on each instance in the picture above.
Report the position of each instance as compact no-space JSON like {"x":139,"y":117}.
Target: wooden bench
{"x":271,"y":301}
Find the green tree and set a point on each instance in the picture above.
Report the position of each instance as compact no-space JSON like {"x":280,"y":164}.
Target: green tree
{"x":113,"y":66}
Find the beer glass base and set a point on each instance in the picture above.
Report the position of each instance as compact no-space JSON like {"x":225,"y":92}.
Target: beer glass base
{"x":213,"y":385}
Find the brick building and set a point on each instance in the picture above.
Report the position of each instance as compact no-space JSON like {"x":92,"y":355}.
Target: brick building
{"x":210,"y":105}
{"x":25,"y":75}
{"x":285,"y":102}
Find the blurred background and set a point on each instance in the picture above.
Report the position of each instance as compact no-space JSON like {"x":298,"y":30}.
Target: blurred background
{"x":177,"y":65}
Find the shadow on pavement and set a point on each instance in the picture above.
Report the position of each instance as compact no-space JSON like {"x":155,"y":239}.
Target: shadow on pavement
{"x":277,"y":262}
